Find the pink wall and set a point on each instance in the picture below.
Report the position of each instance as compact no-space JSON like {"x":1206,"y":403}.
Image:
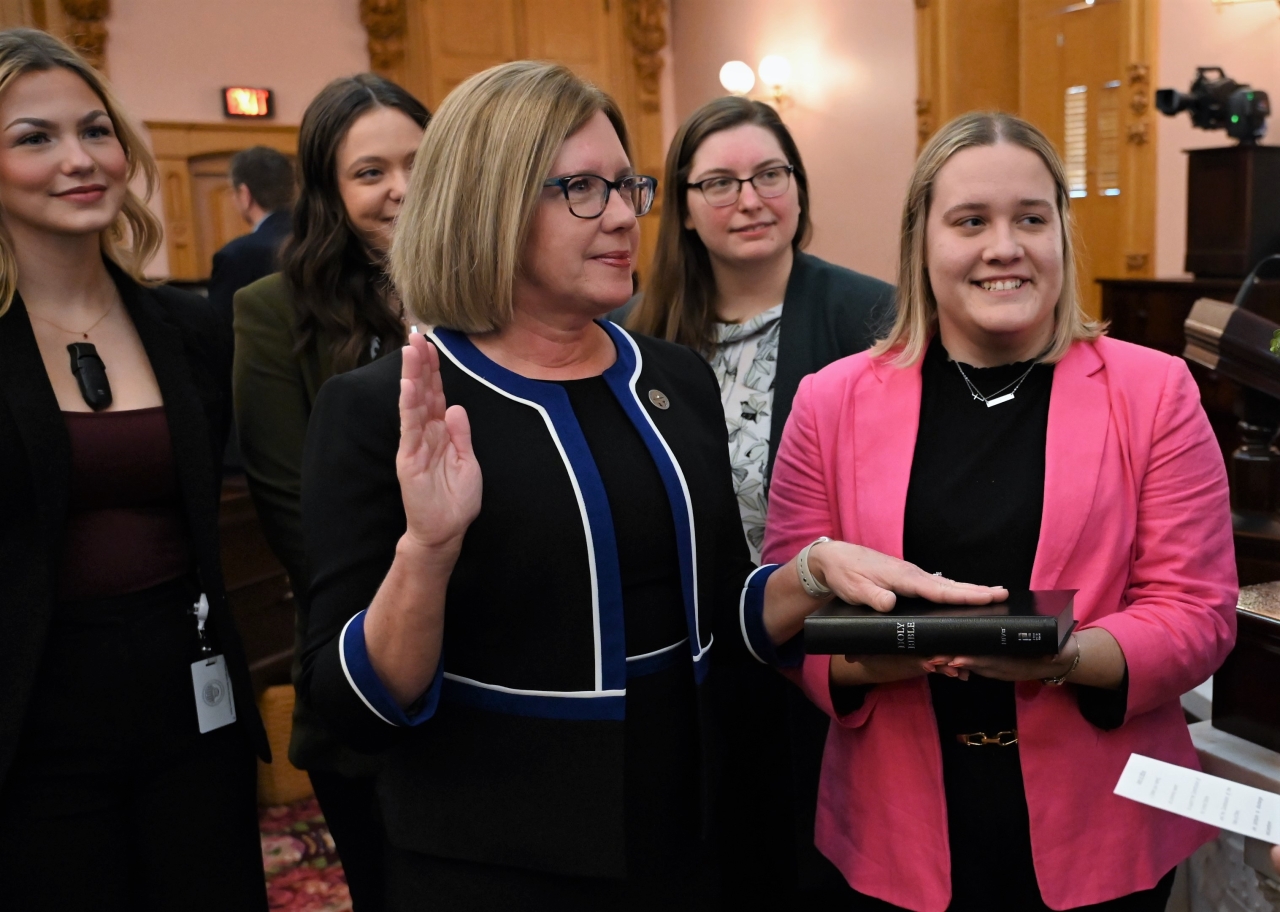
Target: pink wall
{"x":1244,"y":39}
{"x":853,"y":117}
{"x":169,"y":59}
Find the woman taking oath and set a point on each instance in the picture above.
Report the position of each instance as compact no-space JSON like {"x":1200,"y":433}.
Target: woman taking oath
{"x":996,"y":435}
{"x":127,"y":720}
{"x":731,"y":280}
{"x":535,"y":661}
{"x":329,"y":310}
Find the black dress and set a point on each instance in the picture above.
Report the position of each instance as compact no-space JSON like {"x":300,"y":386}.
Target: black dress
{"x":974,"y":504}
{"x":667,"y":862}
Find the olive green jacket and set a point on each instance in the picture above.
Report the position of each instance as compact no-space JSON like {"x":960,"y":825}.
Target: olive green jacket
{"x":275,"y":387}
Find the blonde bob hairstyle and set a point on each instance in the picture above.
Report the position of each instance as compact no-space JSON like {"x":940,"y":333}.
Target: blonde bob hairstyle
{"x":917,"y":308}
{"x":476,"y":179}
{"x":135,"y":236}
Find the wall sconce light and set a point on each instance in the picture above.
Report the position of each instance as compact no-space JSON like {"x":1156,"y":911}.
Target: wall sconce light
{"x":737,"y":78}
{"x":775,"y":72}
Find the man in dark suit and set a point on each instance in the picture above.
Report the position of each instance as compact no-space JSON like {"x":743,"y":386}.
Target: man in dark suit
{"x":263,"y":184}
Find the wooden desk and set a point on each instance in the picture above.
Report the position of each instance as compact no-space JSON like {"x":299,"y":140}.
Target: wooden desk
{"x":1151,"y":312}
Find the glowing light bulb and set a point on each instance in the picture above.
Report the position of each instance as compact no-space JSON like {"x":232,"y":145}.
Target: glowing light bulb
{"x":775,"y":71}
{"x":737,"y":78}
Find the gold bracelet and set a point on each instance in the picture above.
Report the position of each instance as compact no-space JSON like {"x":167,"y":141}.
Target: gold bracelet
{"x":1062,"y":678}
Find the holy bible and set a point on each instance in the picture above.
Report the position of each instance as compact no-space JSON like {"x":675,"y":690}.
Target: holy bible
{"x":1029,"y":623}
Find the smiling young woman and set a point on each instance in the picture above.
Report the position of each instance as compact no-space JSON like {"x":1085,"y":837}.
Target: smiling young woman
{"x":329,"y":310}
{"x":119,"y":719}
{"x":996,"y":436}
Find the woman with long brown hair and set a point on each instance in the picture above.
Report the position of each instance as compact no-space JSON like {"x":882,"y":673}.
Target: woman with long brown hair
{"x":329,"y":310}
{"x":127,"y":721}
{"x":732,"y":281}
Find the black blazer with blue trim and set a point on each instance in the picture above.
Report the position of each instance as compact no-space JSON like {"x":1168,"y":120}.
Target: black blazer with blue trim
{"x":516,"y":754}
{"x":828,"y":313}
{"x":189,"y":348}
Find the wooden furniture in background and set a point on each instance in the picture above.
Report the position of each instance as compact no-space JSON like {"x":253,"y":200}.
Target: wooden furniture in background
{"x":1081,"y":73}
{"x":279,"y":782}
{"x":1246,"y":689}
{"x":1232,"y":217}
{"x":258,"y":589}
{"x":429,"y":46}
{"x":193,"y":158}
{"x":1151,"y":312}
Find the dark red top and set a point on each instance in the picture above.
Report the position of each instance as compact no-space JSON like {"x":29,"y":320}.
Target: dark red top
{"x":126,"y":530}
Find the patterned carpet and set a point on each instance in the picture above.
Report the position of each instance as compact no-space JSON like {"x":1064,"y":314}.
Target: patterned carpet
{"x":303,"y":871}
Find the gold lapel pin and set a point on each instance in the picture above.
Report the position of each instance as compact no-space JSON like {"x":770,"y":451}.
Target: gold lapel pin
{"x":659,"y":398}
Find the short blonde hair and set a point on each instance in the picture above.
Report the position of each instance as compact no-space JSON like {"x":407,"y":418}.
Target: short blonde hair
{"x":476,"y":179}
{"x":135,"y":236}
{"x":917,"y":308}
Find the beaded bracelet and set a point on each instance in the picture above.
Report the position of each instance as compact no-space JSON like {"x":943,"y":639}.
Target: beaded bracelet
{"x":811,"y":585}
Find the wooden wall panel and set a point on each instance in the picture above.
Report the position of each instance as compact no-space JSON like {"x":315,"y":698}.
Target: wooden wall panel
{"x":967,"y":52}
{"x":576,"y":33}
{"x":616,"y":44}
{"x":462,"y":37}
{"x":185,"y":153}
{"x":1021,"y":56}
{"x":979,"y":55}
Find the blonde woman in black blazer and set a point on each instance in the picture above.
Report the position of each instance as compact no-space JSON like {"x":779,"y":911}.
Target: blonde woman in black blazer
{"x":108,"y":531}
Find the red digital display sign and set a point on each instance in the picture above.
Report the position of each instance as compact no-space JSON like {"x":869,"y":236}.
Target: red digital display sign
{"x":241,"y":101}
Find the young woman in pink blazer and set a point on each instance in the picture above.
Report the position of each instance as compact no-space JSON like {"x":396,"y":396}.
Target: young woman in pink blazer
{"x":996,"y":436}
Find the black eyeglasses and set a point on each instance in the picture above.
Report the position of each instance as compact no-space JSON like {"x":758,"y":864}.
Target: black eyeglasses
{"x":723,"y":190}
{"x":588,"y":194}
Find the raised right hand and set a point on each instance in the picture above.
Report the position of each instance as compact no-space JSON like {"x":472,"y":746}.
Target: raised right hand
{"x":439,"y":475}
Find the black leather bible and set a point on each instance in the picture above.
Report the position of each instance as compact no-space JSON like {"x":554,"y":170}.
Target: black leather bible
{"x":1029,"y":623}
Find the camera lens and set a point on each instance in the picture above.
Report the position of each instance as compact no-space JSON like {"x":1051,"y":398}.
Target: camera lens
{"x":1171,"y":101}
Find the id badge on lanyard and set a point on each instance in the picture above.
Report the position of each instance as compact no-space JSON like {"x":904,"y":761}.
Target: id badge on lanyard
{"x":215,"y":704}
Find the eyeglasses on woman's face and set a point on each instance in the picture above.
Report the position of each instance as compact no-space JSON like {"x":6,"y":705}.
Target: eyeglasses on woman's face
{"x":588,"y":194}
{"x":723,"y":190}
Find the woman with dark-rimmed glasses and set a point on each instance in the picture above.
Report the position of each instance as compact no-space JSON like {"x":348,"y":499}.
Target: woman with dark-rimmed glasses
{"x":731,"y":280}
{"x":525,"y":600}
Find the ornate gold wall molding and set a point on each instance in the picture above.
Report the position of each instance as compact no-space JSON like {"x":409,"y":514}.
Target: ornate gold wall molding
{"x":87,"y":29}
{"x":646,"y":32}
{"x":386,"y":23}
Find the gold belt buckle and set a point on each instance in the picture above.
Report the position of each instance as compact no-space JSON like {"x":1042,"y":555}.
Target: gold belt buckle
{"x":982,"y":739}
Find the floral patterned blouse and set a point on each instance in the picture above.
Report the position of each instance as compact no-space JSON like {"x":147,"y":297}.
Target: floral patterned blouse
{"x":745,"y":362}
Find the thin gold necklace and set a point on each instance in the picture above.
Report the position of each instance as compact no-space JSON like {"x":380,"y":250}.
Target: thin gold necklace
{"x":77,"y":332}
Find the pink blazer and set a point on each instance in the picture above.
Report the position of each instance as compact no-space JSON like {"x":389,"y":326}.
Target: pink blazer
{"x":1136,"y":517}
